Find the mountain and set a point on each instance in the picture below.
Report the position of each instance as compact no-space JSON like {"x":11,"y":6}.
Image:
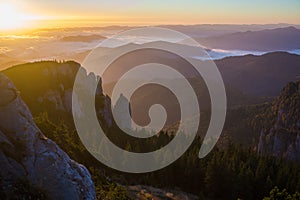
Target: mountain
{"x":213,"y":30}
{"x":253,"y":75}
{"x":260,"y":75}
{"x":26,"y":154}
{"x":48,"y":95}
{"x":82,"y":38}
{"x":248,"y":80}
{"x":287,"y":38}
{"x":280,"y":136}
{"x":47,"y":87}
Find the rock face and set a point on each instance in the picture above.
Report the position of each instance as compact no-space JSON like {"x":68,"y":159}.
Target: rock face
{"x":282,"y":138}
{"x":50,"y":89}
{"x":26,"y":153}
{"x":121,"y":108}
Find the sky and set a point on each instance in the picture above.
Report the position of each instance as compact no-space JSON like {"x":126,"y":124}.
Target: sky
{"x":143,"y":12}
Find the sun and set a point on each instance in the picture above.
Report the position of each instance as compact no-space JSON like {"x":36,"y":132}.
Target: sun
{"x":11,"y":18}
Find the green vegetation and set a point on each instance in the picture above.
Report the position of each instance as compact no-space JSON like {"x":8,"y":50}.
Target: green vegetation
{"x":228,"y":173}
{"x":276,"y":194}
{"x":231,"y":173}
{"x":69,"y":141}
{"x":106,"y":189}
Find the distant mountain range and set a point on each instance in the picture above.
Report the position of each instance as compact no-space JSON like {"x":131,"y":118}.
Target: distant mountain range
{"x":76,"y":43}
{"x":82,"y":38}
{"x":259,"y":76}
{"x":287,"y":38}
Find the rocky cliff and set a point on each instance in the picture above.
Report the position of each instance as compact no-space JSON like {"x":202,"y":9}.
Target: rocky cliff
{"x":47,"y":86}
{"x":25,"y":153}
{"x":281,"y":137}
{"x":121,"y":109}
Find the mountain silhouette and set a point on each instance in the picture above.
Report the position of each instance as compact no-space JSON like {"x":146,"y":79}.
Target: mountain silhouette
{"x":287,"y":38}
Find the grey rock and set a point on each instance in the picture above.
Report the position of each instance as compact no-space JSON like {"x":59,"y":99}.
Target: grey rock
{"x":121,"y":108}
{"x":26,"y":153}
{"x":282,"y":139}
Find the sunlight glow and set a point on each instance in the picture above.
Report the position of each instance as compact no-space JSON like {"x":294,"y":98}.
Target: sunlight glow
{"x":12,"y":19}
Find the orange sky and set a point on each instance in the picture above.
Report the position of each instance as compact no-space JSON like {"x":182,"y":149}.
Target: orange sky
{"x":52,"y":13}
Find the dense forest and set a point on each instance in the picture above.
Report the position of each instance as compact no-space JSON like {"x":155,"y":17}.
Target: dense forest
{"x":229,"y":172}
{"x":233,"y":170}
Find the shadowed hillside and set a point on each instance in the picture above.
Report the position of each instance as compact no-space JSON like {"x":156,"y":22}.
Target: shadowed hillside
{"x":287,"y":38}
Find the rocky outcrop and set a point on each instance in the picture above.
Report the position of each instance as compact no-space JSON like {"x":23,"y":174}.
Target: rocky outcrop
{"x":282,"y":138}
{"x":25,"y":153}
{"x":121,"y":109}
{"x":47,"y":87}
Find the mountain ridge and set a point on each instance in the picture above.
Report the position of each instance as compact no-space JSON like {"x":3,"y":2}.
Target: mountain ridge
{"x":286,"y":38}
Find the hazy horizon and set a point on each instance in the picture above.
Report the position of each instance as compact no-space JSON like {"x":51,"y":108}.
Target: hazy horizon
{"x":27,"y":15}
